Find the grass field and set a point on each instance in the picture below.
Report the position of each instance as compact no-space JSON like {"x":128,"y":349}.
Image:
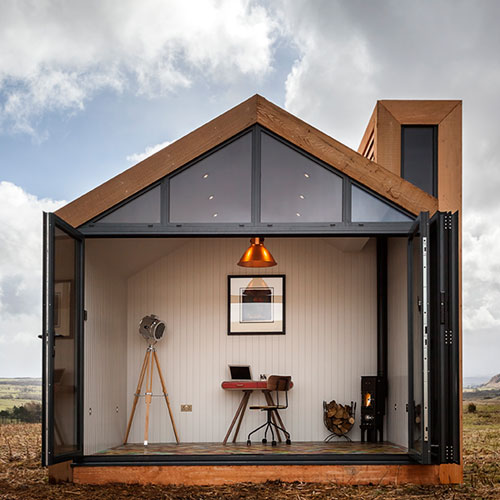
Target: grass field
{"x":18,"y":391}
{"x":21,"y":476}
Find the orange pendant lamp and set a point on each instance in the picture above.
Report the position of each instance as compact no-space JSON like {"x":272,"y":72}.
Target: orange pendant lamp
{"x":257,"y":255}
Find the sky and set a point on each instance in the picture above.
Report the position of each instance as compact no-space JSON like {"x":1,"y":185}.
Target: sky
{"x":90,"y":87}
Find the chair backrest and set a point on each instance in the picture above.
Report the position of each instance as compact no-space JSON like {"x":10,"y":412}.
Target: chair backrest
{"x":279,"y":383}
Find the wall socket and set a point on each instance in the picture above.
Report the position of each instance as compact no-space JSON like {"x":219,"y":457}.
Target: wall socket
{"x":186,"y":407}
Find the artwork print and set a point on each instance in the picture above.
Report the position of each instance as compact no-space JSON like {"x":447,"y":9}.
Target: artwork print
{"x":256,"y":304}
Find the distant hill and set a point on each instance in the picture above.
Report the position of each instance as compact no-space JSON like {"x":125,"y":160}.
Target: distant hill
{"x":473,"y":382}
{"x":492,"y":384}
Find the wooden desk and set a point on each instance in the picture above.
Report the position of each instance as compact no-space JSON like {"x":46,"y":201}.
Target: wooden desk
{"x":247,"y":387}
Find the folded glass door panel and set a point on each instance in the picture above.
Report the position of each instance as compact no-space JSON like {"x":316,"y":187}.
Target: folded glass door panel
{"x":419,"y":429}
{"x":444,"y":339}
{"x":62,"y":341}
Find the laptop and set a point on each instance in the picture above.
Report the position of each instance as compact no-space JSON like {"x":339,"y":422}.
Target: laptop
{"x":240,"y":372}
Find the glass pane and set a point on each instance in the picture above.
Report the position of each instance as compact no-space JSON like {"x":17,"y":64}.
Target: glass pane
{"x":65,"y":331}
{"x":418,"y":157}
{"x":143,"y":209}
{"x":417,"y":415}
{"x":367,"y":208}
{"x":295,"y":188}
{"x":217,"y":188}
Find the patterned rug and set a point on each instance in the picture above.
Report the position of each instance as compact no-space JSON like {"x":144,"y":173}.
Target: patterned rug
{"x":257,"y":448}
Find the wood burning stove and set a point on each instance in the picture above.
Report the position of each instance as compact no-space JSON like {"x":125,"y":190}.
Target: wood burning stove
{"x":373,"y":395}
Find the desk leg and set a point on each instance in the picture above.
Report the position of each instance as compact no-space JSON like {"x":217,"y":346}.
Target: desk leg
{"x":271,"y":402}
{"x":235,"y":418}
{"x":246,"y":397}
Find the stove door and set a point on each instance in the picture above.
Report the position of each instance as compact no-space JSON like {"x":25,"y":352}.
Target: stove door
{"x":418,"y":341}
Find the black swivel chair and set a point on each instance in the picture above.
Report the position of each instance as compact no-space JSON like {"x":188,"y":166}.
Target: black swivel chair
{"x":278,"y":384}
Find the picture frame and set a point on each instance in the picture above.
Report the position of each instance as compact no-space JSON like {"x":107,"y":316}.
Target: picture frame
{"x":256,"y":304}
{"x":63,"y":299}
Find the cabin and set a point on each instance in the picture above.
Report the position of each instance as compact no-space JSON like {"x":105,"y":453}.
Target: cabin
{"x":258,"y":253}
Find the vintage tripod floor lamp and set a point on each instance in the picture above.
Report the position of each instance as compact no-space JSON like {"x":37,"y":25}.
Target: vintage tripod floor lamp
{"x":152,"y":329}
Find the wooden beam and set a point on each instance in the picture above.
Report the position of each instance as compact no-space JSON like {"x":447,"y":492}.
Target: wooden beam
{"x":388,"y":141}
{"x":217,"y":475}
{"x":419,"y":112}
{"x":450,"y":161}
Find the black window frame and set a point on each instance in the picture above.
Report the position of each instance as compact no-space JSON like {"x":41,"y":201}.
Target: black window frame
{"x":255,"y":226}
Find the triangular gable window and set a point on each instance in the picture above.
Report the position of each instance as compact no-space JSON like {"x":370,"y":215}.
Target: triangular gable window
{"x":218,"y":188}
{"x":368,"y":208}
{"x":145,"y":208}
{"x":295,"y":188}
{"x":255,"y":179}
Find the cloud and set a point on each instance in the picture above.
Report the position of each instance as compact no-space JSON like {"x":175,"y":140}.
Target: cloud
{"x":150,"y":150}
{"x":56,"y":55}
{"x":353,"y":53}
{"x":21,"y":279}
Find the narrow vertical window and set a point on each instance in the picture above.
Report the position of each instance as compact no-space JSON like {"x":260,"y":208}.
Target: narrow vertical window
{"x":419,"y":156}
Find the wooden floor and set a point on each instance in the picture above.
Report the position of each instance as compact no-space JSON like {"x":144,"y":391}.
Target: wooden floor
{"x":257,"y":448}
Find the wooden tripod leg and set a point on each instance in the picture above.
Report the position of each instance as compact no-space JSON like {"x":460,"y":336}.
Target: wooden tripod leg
{"x":148,"y":397}
{"x":269,"y":400}
{"x":164,"y":388}
{"x":136,"y":398}
{"x":246,"y":397}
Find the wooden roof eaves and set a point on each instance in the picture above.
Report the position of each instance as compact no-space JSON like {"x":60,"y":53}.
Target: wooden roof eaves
{"x":252,"y":111}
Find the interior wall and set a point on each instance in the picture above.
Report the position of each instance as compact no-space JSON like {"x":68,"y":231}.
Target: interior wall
{"x":397,"y":361}
{"x":105,"y":381}
{"x":330,"y":339}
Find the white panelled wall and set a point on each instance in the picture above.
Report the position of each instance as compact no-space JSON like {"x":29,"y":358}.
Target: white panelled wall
{"x":330,"y":341}
{"x":105,"y":368}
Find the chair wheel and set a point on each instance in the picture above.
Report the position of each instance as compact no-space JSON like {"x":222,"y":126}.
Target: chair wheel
{"x":288,"y":441}
{"x":249,"y":442}
{"x":264,"y":441}
{"x":273,"y":443}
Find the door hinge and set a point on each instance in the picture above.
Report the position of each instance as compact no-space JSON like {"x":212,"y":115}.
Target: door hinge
{"x":448,"y":337}
{"x":442,"y":307}
{"x":449,"y":453}
{"x":447,"y":222}
{"x":84,"y":315}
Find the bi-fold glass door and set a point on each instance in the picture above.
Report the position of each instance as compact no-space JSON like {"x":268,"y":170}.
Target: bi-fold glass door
{"x":62,"y":341}
{"x":433,"y":339}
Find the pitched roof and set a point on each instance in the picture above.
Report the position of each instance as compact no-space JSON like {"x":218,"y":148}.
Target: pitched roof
{"x":255,"y":110}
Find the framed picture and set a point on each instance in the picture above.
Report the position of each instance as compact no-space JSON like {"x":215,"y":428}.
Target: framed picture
{"x":63,"y":324}
{"x":256,"y":304}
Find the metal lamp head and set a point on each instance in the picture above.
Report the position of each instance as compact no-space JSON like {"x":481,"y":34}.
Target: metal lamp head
{"x":257,"y":255}
{"x":152,"y":328}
